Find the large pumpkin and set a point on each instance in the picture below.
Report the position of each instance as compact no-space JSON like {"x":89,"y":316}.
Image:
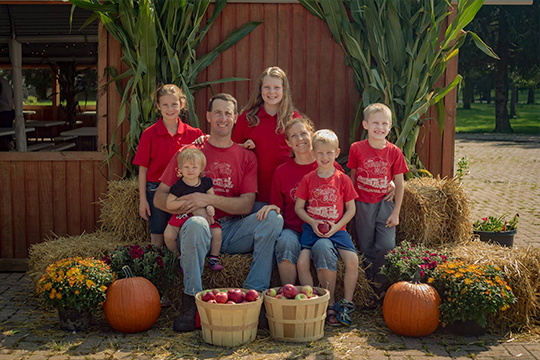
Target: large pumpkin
{"x":411,"y":308}
{"x":132,"y":304}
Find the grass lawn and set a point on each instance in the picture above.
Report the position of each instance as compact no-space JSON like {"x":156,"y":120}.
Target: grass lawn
{"x":480,"y":117}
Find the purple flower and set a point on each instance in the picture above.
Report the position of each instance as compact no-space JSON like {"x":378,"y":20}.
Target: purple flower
{"x":159,"y":261}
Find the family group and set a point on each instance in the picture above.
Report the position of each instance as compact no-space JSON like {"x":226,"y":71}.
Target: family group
{"x":265,"y":182}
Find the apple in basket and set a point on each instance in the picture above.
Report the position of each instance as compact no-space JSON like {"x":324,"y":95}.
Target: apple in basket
{"x":271,"y":292}
{"x":324,"y":227}
{"x":252,"y":295}
{"x":301,"y":296}
{"x":208,"y":295}
{"x":230,"y":302}
{"x":235,"y":295}
{"x":221,"y":297}
{"x":307,"y":290}
{"x":290,"y":291}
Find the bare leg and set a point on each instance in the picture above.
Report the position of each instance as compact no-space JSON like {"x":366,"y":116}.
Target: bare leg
{"x":170,"y":235}
{"x":304,"y":267}
{"x":215,"y":245}
{"x":157,"y":239}
{"x":287,"y":272}
{"x":351,"y":273}
{"x":327,"y":279}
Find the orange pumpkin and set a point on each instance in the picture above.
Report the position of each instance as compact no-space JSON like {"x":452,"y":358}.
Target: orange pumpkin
{"x":411,"y":308}
{"x":132,"y":304}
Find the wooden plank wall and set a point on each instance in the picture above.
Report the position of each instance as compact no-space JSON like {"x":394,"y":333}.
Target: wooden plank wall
{"x":55,"y":192}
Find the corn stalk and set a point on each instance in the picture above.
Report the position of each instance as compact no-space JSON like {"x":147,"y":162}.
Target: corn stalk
{"x":159,"y":40}
{"x":394,"y":49}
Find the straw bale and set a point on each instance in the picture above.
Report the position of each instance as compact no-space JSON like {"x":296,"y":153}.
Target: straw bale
{"x":95,"y":245}
{"x":435,"y":213}
{"x":120,"y":211}
{"x":236,"y":268}
{"x":521,"y":266}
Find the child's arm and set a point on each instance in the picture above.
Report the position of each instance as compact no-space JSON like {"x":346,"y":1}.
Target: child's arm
{"x":144,"y":207}
{"x":393,"y":219}
{"x":174,"y":202}
{"x":353,"y":177}
{"x":350,"y":210}
{"x":302,"y":214}
{"x":210,"y":210}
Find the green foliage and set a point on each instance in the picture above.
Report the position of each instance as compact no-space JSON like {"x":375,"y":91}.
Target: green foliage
{"x":154,"y":263}
{"x":470,"y":291}
{"x":496,"y":224}
{"x":159,"y":41}
{"x":462,"y":167}
{"x":393,"y":47}
{"x":403,"y":261}
{"x":480,"y":118}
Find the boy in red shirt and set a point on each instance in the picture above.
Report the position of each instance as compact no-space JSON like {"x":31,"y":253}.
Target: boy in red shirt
{"x":374,"y":163}
{"x":321,"y":198}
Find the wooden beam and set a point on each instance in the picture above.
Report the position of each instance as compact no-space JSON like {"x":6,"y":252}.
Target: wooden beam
{"x":13,"y":265}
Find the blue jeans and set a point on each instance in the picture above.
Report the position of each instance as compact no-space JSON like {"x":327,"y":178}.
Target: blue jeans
{"x":158,"y":219}
{"x":240,"y":236}
{"x":323,"y":253}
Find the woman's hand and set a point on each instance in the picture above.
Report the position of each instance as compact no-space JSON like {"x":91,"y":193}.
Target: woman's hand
{"x":144,"y":209}
{"x":263,"y":212}
{"x":201,"y":139}
{"x":249,"y":144}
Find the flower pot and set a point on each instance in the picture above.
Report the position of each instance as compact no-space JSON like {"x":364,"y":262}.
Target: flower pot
{"x":73,"y":319}
{"x":504,"y":238}
{"x":465,"y":328}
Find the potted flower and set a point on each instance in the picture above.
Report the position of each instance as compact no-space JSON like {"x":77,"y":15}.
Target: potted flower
{"x":154,"y":263}
{"x":403,"y":261}
{"x":75,"y":286}
{"x":498,"y":230}
{"x":469,"y":292}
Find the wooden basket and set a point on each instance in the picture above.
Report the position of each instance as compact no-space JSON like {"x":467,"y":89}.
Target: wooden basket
{"x":229,"y":324}
{"x":297,"y":320}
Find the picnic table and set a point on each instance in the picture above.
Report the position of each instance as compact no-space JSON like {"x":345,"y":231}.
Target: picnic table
{"x":43,"y":124}
{"x":90,"y":131}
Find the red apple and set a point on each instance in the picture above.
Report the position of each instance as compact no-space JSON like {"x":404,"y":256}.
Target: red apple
{"x":212,"y":301}
{"x":324,"y":227}
{"x":271,"y":292}
{"x":315,"y":292}
{"x":235,"y":295}
{"x":215,"y":291}
{"x":230,"y":302}
{"x":280,"y":296}
{"x":280,"y":290}
{"x":301,"y":297}
{"x":290,"y":291}
{"x":314,"y":296}
{"x":307,"y":290}
{"x":252,"y":295}
{"x":244,"y":302}
{"x":208,"y":295}
{"x":221,"y":297}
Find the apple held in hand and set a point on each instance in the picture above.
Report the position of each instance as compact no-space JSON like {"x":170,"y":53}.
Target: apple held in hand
{"x":290,"y":291}
{"x":307,"y":290}
{"x":324,"y":227}
{"x":221,"y":297}
{"x":235,"y":295}
{"x":251,"y":295}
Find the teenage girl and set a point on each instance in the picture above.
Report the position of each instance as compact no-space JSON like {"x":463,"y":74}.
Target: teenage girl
{"x":157,"y":146}
{"x":191,"y":164}
{"x":261,"y":127}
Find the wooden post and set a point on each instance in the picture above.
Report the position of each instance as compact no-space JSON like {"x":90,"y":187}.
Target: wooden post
{"x":15,"y":54}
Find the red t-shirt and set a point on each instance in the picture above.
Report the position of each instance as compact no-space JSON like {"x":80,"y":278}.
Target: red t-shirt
{"x":326,"y":198}
{"x":375,"y":168}
{"x":157,"y":146}
{"x":284,"y":184}
{"x":233,"y":171}
{"x":270,"y":148}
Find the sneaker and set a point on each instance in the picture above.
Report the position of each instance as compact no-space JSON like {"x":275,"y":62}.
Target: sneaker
{"x":344,"y":309}
{"x":185,"y":322}
{"x":213,"y":263}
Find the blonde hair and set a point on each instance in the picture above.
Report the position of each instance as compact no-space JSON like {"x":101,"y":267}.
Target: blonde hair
{"x":375,"y":108}
{"x":193,"y":156}
{"x":326,"y":136}
{"x":285,"y":110}
{"x":171,"y":89}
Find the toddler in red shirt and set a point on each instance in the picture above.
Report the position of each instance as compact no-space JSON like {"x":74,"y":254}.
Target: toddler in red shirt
{"x":374,"y":163}
{"x":321,"y":198}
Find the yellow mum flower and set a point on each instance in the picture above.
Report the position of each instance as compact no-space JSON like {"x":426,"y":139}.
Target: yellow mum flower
{"x":58,"y":295}
{"x":103,"y":288}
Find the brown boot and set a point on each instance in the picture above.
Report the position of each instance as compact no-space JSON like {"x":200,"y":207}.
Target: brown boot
{"x":185,"y":322}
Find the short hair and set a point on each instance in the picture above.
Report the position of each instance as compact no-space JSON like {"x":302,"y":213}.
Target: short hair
{"x":171,"y":89}
{"x":326,"y":136}
{"x":224,"y":97}
{"x":304,"y":119}
{"x":192,"y":155}
{"x":375,"y":108}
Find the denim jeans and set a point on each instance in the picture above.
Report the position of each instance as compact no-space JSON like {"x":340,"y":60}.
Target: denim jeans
{"x":240,"y":236}
{"x":323,"y":253}
{"x":158,"y":218}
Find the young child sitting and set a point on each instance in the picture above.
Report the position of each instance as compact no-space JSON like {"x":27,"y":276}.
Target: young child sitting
{"x":327,"y":193}
{"x":191,"y":164}
{"x":374,"y":163}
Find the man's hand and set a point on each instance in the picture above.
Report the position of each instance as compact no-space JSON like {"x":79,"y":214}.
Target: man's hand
{"x":263,"y":212}
{"x":193,"y":202}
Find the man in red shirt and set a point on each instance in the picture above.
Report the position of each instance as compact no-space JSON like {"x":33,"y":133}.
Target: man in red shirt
{"x":233,"y":171}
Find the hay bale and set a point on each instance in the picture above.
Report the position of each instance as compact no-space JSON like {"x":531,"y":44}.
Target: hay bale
{"x":435,"y":213}
{"x":95,"y":245}
{"x":120,"y":211}
{"x":521,"y":266}
{"x":236,"y":268}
